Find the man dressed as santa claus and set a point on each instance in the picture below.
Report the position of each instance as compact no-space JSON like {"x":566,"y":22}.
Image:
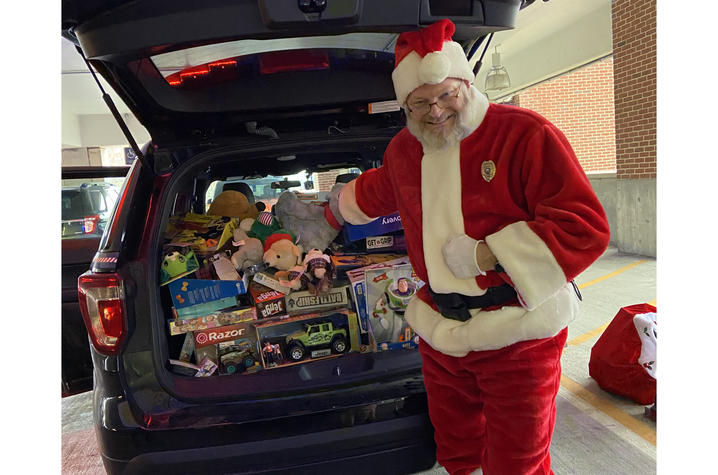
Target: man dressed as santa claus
{"x":499,"y":218}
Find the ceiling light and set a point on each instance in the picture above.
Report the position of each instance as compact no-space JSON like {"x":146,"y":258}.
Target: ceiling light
{"x":497,"y":78}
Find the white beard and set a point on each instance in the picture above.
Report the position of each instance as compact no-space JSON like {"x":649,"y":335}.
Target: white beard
{"x":438,"y":140}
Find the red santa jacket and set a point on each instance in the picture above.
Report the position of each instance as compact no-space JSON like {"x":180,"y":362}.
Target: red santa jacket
{"x":513,"y":182}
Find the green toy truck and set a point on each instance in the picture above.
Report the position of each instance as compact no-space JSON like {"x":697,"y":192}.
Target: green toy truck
{"x":314,"y":335}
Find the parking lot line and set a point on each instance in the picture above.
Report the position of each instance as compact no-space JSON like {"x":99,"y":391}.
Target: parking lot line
{"x":634,"y":425}
{"x":612,"y":274}
{"x":597,"y":331}
{"x":587,"y":336}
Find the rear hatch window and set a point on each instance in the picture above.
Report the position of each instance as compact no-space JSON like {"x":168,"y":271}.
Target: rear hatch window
{"x":196,"y":71}
{"x":208,"y":65}
{"x":216,"y":89}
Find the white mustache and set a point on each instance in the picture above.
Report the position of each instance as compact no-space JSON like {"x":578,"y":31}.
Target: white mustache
{"x":439,"y":121}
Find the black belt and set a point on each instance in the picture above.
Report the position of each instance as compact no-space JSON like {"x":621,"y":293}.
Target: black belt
{"x":456,"y":306}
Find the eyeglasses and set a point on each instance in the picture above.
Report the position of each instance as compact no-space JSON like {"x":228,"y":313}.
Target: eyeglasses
{"x":445,"y":100}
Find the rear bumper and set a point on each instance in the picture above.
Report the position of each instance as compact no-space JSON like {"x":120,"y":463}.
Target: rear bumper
{"x":381,"y":436}
{"x":397,"y":446}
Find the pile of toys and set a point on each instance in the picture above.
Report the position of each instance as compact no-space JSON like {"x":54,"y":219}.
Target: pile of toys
{"x":252,"y":291}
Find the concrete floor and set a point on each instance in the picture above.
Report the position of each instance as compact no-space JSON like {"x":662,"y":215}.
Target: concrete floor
{"x":596,"y":432}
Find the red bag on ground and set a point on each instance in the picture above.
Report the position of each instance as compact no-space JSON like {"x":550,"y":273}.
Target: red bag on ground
{"x":614,"y":362}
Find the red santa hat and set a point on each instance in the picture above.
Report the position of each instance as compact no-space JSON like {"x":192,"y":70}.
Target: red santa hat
{"x":428,"y":56}
{"x":272,"y":238}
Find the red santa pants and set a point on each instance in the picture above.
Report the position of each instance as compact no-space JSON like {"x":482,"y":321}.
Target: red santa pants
{"x":495,"y":409}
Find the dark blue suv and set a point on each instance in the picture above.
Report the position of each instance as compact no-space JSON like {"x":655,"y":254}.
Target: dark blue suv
{"x":246,"y":89}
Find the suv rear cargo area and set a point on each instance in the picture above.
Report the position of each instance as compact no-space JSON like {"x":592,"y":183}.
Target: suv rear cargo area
{"x":336,"y":344}
{"x":231,"y":313}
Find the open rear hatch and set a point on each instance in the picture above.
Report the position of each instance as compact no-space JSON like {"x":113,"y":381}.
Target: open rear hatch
{"x":194,"y":71}
{"x":239,"y":90}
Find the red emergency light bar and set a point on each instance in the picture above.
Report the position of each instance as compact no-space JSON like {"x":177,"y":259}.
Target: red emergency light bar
{"x":222,"y":64}
{"x":200,"y":72}
{"x":194,"y":72}
{"x":269,"y":63}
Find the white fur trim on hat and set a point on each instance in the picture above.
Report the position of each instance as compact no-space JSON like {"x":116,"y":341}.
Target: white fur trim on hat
{"x":494,"y":329}
{"x":414,"y":71}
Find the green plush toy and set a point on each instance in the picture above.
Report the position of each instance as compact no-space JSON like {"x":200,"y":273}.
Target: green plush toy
{"x":265,"y":225}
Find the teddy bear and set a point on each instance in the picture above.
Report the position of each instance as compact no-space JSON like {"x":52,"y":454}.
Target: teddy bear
{"x":319,"y":271}
{"x":234,"y":204}
{"x":315,"y":225}
{"x":286,"y":256}
{"x":250,"y":250}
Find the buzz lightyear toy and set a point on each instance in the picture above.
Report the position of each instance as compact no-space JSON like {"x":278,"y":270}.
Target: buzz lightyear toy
{"x":389,"y":308}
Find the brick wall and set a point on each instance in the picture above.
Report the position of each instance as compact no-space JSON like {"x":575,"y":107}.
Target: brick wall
{"x":325,"y":180}
{"x":580,"y":104}
{"x":634,"y":53}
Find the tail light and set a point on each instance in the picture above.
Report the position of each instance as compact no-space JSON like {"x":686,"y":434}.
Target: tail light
{"x":102,"y":302}
{"x":89,"y":225}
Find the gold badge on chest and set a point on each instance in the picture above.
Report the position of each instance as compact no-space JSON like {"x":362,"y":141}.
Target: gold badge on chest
{"x":488,"y":170}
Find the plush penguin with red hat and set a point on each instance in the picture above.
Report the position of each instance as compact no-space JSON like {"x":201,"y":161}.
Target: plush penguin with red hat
{"x":499,"y":218}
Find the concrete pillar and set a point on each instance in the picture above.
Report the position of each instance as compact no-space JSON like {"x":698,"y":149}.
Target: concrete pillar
{"x":634,"y":65}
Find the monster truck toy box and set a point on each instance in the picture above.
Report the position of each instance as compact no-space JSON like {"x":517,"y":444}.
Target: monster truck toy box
{"x":233,"y":348}
{"x":308,"y":337}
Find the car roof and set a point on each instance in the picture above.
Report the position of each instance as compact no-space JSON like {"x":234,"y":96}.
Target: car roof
{"x":126,"y":42}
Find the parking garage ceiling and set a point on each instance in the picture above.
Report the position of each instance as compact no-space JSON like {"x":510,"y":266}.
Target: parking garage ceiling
{"x":550,"y":38}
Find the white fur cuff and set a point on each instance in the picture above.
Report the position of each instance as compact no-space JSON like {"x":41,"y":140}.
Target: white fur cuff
{"x":494,"y":329}
{"x":528,"y":261}
{"x":348,"y":207}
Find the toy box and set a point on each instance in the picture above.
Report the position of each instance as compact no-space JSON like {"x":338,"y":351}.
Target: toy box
{"x":202,"y":309}
{"x":388,"y":243}
{"x":210,"y":336}
{"x":202,"y":232}
{"x":177,"y":262}
{"x":220,"y":318}
{"x":267,"y":279}
{"x":388,"y":290}
{"x":207,"y":342}
{"x":239,"y":356}
{"x":357,"y":287}
{"x":206,"y":269}
{"x":380,"y":226}
{"x":187,"y":348}
{"x":308,"y":337}
{"x":345,"y":262}
{"x":206,"y":367}
{"x":269,"y":302}
{"x":306,"y":302}
{"x":223,"y":268}
{"x":188,"y":292}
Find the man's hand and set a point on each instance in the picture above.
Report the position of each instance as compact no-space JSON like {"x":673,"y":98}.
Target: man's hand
{"x":467,"y":257}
